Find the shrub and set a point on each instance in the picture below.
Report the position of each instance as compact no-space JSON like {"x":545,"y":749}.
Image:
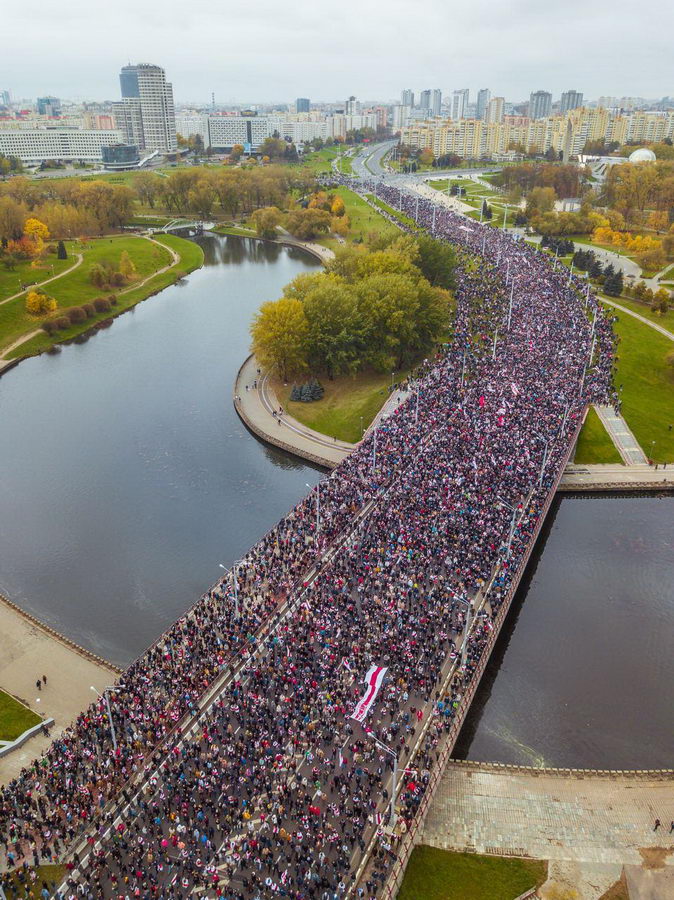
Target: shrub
{"x":112,"y":299}
{"x":89,"y":310}
{"x":39,"y":303}
{"x":76,"y":315}
{"x":49,"y":326}
{"x":62,"y":322}
{"x":101,"y":304}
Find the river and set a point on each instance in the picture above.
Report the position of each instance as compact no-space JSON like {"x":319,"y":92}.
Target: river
{"x":583,"y":672}
{"x":126,"y":475}
{"x":127,"y":478}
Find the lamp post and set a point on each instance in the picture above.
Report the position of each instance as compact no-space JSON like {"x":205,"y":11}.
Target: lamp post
{"x":511,"y":533}
{"x":104,"y":696}
{"x":493,"y":349}
{"x":318,"y":505}
{"x":510,"y":305}
{"x":416,"y":409}
{"x":362,"y":427}
{"x":235,"y":585}
{"x":374,"y":450}
{"x":433,"y":224}
{"x":505,"y":213}
{"x":545,"y":458}
{"x":392,"y":803}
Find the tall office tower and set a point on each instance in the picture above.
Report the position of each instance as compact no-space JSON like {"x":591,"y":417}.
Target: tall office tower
{"x":570,"y":100}
{"x":459,"y":104}
{"x":352,"y":106}
{"x":302,"y":104}
{"x":495,"y":109}
{"x":483,"y":98}
{"x":407,"y":97}
{"x":436,"y":102}
{"x":4,"y":98}
{"x":425,"y":100}
{"x":540,"y":105}
{"x":146,"y":113}
{"x":48,"y":106}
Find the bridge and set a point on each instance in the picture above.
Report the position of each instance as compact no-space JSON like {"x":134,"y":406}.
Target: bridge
{"x":403,"y":561}
{"x":192,"y":228}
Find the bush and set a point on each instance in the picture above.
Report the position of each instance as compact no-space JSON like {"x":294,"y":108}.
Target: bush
{"x":112,"y":299}
{"x":101,"y":304}
{"x":39,"y":303}
{"x":49,"y":326}
{"x":76,"y":315}
{"x":62,"y":323}
{"x":89,"y":310}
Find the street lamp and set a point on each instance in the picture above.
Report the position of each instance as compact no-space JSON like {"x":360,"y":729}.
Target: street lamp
{"x":235,"y":585}
{"x":374,"y":450}
{"x":318,"y":504}
{"x":545,"y":457}
{"x":511,"y":533}
{"x":387,"y":749}
{"x":505,"y":213}
{"x":104,"y":696}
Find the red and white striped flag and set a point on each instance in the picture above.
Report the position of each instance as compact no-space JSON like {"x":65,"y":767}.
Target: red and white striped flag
{"x":373,"y":680}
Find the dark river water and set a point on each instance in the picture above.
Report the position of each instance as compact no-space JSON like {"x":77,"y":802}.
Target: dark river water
{"x":583,"y":672}
{"x":126,"y":478}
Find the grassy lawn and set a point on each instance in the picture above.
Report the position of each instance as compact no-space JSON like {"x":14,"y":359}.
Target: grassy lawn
{"x":594,"y":444}
{"x":51,"y":875}
{"x":320,"y":161}
{"x":363,"y":220}
{"x":442,"y":875}
{"x":25,"y":273}
{"x":666,"y":320}
{"x":346,"y":401}
{"x":236,"y":230}
{"x":401,"y":217}
{"x":147,"y":257}
{"x":648,"y":379}
{"x":15,"y":718}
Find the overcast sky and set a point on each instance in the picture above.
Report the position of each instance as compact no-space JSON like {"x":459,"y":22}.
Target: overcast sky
{"x":276,"y":50}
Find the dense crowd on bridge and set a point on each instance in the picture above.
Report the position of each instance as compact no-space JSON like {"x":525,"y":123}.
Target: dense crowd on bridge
{"x":238,"y":768}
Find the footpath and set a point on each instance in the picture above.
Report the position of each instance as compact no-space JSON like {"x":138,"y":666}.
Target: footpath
{"x":592,"y":826}
{"x":30,"y":650}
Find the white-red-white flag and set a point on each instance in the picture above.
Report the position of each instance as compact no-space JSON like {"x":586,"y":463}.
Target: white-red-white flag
{"x":373,"y":680}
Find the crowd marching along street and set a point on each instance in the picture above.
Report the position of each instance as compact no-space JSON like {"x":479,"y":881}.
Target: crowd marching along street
{"x":275,"y":785}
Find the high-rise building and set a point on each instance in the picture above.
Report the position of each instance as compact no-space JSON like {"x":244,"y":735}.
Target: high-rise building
{"x":48,"y":106}
{"x":483,"y":97}
{"x":459,"y":104}
{"x":540,"y":105}
{"x":352,"y":106}
{"x":4,"y":98}
{"x":425,"y":100}
{"x":495,"y":109}
{"x":302,"y":104}
{"x":146,"y":113}
{"x":407,"y":97}
{"x":570,"y":100}
{"x":436,"y":101}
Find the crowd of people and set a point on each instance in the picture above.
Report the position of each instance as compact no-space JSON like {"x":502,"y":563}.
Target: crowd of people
{"x":236,"y":766}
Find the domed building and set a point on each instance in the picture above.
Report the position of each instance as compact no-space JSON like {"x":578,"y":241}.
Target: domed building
{"x":643,"y":154}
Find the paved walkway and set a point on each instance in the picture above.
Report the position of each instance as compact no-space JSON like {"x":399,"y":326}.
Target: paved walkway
{"x":255,"y":407}
{"x":615,"y":477}
{"x":619,"y":432}
{"x":590,"y":825}
{"x":27,"y":652}
{"x":40,"y":284}
{"x":635,"y":315}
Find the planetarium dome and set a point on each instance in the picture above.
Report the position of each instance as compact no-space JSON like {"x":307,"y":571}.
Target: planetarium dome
{"x":643,"y":154}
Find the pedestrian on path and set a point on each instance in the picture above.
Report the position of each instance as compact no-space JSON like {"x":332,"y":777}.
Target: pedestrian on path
{"x":657,"y":824}
{"x":38,"y":685}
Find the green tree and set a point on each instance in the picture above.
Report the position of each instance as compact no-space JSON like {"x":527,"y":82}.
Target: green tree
{"x":437,"y":261}
{"x":307,"y":224}
{"x":127,"y":267}
{"x":334,"y":328}
{"x":266,"y":221}
{"x":279,"y":333}
{"x":61,"y":252}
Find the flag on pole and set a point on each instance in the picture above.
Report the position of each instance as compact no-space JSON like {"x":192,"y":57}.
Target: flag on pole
{"x":373,"y":680}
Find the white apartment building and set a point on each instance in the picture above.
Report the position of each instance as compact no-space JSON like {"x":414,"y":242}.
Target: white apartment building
{"x":146,"y":112}
{"x":191,"y":123}
{"x":57,"y":144}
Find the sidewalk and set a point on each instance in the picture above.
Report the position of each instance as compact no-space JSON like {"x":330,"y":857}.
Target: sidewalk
{"x":619,"y":432}
{"x":29,"y":651}
{"x":617,"y":478}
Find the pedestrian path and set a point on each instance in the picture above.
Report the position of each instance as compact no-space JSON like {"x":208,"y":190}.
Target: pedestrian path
{"x":619,"y":432}
{"x":635,"y":315}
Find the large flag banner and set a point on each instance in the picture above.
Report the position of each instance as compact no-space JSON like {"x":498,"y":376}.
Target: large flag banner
{"x":373,"y":680}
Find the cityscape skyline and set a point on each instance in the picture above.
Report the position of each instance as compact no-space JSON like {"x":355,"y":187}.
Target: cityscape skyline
{"x":507,"y":49}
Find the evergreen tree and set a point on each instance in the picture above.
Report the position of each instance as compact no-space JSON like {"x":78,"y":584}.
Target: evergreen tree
{"x":61,"y":252}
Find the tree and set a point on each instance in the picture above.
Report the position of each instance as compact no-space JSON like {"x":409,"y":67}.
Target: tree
{"x":266,"y":221}
{"x":147,"y":187}
{"x":437,"y":261}
{"x":127,"y":267}
{"x":338,"y":209}
{"x":279,"y":333}
{"x":540,"y":200}
{"x":61,"y":252}
{"x":237,"y":152}
{"x":334,"y":327}
{"x":426,"y":157}
{"x":272,"y":147}
{"x":12,"y":216}
{"x":39,"y":303}
{"x":306,"y":224}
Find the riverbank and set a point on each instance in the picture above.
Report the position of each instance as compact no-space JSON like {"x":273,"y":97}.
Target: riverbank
{"x":30,"y":650}
{"x":182,"y":257}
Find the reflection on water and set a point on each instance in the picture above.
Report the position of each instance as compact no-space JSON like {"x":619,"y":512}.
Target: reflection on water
{"x":126,"y":475}
{"x":583,"y":673}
